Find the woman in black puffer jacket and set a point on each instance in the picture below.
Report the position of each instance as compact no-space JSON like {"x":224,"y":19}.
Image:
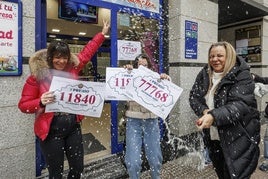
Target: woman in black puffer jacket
{"x":223,"y":99}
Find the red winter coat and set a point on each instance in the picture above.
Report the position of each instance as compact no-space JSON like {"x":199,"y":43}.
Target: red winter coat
{"x":39,"y":82}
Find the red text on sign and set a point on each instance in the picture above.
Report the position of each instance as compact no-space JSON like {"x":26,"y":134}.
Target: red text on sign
{"x":78,"y":98}
{"x":121,"y":82}
{"x":153,"y":90}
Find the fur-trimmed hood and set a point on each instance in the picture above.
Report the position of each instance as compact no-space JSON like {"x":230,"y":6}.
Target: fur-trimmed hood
{"x":39,"y":66}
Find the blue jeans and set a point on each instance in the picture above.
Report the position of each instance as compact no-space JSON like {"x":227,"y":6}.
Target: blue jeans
{"x":143,"y":132}
{"x":206,"y":156}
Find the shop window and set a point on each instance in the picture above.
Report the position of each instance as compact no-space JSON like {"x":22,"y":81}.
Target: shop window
{"x":144,"y":31}
{"x":140,"y":29}
{"x":248,"y":43}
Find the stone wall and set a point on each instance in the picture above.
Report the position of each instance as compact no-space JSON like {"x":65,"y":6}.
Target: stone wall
{"x":17,"y":142}
{"x":205,"y":13}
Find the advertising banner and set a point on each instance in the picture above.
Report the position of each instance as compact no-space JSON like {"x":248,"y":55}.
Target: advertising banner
{"x":147,"y":5}
{"x":10,"y":38}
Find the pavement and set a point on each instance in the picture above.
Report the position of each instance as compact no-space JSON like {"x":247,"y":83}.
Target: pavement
{"x":174,"y":170}
{"x":188,"y":166}
{"x":182,"y":168}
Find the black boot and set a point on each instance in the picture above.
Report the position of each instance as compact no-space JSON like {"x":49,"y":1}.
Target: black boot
{"x":264,"y":166}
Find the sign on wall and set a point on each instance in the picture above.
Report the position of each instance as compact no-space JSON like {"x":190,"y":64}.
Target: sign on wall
{"x":10,"y":37}
{"x":148,"y":5}
{"x":191,"y":37}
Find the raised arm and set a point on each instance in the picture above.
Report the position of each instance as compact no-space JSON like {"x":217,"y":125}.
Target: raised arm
{"x":92,"y":46}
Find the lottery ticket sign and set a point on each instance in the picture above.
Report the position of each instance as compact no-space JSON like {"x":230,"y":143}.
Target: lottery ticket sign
{"x":158,"y":96}
{"x":128,"y":50}
{"x":77,"y":97}
{"x":116,"y":81}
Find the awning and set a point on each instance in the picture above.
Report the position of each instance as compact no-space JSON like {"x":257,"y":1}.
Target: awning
{"x":235,"y":11}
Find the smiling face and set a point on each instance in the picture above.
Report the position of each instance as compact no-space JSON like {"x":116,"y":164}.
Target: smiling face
{"x":59,"y":62}
{"x":143,"y":62}
{"x":58,"y":55}
{"x":217,"y":58}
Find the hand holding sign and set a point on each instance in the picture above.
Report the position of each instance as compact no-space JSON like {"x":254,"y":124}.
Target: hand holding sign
{"x":117,"y":79}
{"x":77,"y":97}
{"x":158,"y":96}
{"x":47,"y":98}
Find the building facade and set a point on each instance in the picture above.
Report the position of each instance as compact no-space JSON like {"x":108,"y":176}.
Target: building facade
{"x":17,"y":144}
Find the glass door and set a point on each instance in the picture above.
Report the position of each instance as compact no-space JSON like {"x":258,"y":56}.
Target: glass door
{"x":131,"y":27}
{"x":125,"y":25}
{"x":140,"y":29}
{"x":76,"y":22}
{"x":96,"y":131}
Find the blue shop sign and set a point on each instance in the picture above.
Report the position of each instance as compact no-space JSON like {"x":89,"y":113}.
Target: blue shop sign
{"x":191,"y":36}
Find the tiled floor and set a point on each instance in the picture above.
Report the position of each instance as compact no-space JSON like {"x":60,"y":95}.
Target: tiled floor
{"x":100,"y":128}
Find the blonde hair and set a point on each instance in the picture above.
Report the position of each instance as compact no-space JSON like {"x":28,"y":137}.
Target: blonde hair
{"x":230,"y":58}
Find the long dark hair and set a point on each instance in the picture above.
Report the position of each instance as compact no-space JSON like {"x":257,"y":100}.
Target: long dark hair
{"x":57,"y":49}
{"x":143,"y":55}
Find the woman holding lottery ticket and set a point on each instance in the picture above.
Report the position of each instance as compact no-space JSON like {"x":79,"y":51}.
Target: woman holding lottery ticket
{"x":142,"y":129}
{"x":58,"y":133}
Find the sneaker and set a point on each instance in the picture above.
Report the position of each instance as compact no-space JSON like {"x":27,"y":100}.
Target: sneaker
{"x":264,"y":167}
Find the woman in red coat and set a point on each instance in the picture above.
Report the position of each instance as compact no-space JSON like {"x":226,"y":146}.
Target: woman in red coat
{"x":58,"y":133}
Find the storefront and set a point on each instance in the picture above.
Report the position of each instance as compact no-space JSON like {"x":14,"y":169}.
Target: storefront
{"x":132,"y":23}
{"x":216,"y":19}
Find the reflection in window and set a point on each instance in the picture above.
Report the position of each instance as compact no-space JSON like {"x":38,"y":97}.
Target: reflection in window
{"x":144,"y":30}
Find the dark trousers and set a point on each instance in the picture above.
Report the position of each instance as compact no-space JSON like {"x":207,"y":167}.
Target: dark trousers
{"x":65,"y":137}
{"x":217,"y":158}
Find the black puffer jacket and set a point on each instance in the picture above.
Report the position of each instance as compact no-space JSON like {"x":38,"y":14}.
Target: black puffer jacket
{"x":236,"y":117}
